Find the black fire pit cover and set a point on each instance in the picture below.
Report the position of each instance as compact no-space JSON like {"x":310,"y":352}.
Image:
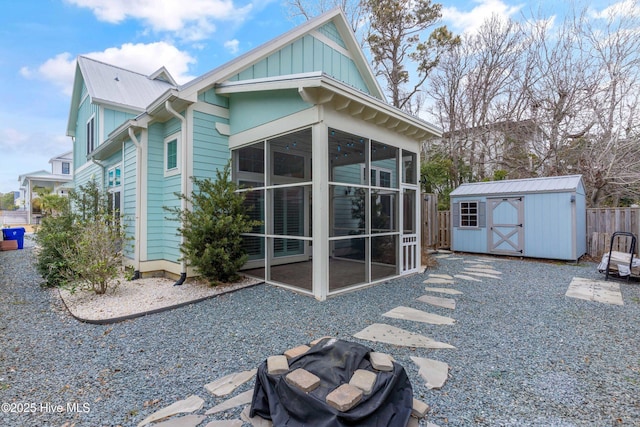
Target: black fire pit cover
{"x":334,"y":362}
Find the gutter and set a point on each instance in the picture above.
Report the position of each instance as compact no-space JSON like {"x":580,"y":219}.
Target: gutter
{"x":183,"y":181}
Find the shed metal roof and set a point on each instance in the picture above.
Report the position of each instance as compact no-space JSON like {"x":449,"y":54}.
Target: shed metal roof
{"x":115,"y":85}
{"x":553,"y":184}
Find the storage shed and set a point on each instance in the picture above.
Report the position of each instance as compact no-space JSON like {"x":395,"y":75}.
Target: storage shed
{"x":536,"y":217}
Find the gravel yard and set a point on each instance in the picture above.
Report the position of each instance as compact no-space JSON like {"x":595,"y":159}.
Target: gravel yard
{"x":526,"y":355}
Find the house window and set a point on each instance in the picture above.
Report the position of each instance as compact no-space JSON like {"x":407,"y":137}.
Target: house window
{"x":114,"y":176}
{"x":91,"y":134}
{"x":171,"y":155}
{"x":468,"y":214}
{"x":65,"y":168}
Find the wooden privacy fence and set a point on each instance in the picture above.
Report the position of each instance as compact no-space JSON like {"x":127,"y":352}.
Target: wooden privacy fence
{"x":435,"y":224}
{"x":603,"y":222}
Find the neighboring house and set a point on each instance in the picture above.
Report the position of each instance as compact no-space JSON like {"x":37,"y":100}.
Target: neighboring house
{"x":325,"y":162}
{"x":58,"y":181}
{"x":517,"y":147}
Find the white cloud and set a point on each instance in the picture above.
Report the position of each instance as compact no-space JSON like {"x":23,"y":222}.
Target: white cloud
{"x":147,"y":58}
{"x":142,"y":58}
{"x":470,"y":21}
{"x":232,"y":46}
{"x":621,"y":8}
{"x":190,"y":20}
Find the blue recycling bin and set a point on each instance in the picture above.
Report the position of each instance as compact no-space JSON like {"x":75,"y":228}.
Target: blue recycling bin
{"x":14,"y":234}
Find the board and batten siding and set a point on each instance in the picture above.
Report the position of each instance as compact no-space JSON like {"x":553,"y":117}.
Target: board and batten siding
{"x":306,"y":55}
{"x":112,"y":119}
{"x":85,"y":111}
{"x":210,"y":149}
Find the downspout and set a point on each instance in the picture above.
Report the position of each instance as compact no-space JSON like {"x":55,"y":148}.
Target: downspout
{"x":136,"y":248}
{"x":183,"y":181}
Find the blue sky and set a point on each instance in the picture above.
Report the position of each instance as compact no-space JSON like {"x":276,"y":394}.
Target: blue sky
{"x":40,"y":40}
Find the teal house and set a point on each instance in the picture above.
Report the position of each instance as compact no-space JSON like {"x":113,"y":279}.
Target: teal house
{"x":330,"y":168}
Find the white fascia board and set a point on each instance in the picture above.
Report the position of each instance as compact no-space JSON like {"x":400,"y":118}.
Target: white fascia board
{"x":292,"y":81}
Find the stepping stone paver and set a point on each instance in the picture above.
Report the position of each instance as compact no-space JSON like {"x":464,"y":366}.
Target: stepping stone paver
{"x":364,"y":380}
{"x":303,"y":379}
{"x":190,"y":404}
{"x":438,"y":281}
{"x":344,"y":397}
{"x":438,"y":301}
{"x":186,"y":421}
{"x":381,"y":361}
{"x":227,"y":384}
{"x":255,"y":421}
{"x":277,"y":365}
{"x":464,"y":277}
{"x":419,"y":409}
{"x":595,"y":290}
{"x":380,"y":332}
{"x":296,"y":351}
{"x":434,"y":372}
{"x":408,"y":313}
{"x":441,"y":276}
{"x":413,"y":422}
{"x":443,"y":290}
{"x":224,"y":423}
{"x":483,"y":270}
{"x":241,"y":399}
{"x":474,"y":273}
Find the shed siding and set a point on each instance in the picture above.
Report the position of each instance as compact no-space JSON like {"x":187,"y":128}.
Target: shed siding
{"x":548,"y":226}
{"x":468,"y":239}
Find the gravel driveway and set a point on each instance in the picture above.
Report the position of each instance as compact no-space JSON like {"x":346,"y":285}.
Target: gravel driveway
{"x":526,"y":355}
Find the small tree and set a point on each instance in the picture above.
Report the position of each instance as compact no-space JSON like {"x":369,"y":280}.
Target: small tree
{"x":80,"y":242}
{"x":213,"y":227}
{"x":94,"y":259}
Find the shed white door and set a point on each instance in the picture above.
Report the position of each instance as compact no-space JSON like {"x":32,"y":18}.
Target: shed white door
{"x":506,"y":225}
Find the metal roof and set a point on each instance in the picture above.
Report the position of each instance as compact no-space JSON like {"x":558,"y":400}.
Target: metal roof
{"x":114,"y":85}
{"x":551,"y":184}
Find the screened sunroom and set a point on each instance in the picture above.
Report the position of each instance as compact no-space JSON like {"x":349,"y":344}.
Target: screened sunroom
{"x":338,"y":206}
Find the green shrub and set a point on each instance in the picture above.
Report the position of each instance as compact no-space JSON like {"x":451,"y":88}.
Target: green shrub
{"x":54,"y":233}
{"x":95,"y":256}
{"x":80,"y":241}
{"x":213,"y":227}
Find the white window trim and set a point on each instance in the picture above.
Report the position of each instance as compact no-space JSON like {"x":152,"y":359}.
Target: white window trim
{"x":174,"y":171}
{"x":93,"y":147}
{"x":114,"y":168}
